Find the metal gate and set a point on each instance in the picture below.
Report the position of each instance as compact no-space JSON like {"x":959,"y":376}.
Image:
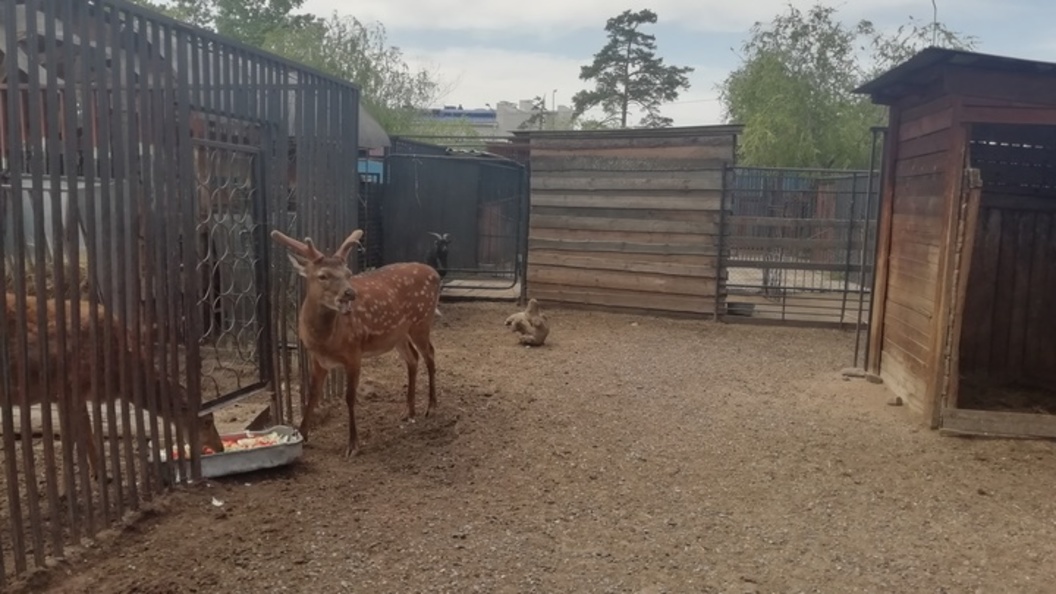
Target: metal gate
{"x":234,"y":334}
{"x":479,"y":201}
{"x":799,"y":243}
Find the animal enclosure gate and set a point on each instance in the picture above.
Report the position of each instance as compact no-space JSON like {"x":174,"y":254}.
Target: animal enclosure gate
{"x":478,"y":200}
{"x":144,"y":163}
{"x":798,"y":244}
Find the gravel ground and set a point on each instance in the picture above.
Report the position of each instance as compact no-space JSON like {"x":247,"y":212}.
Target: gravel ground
{"x":631,"y":454}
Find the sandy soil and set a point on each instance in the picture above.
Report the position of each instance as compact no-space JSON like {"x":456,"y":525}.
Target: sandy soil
{"x":630,"y":454}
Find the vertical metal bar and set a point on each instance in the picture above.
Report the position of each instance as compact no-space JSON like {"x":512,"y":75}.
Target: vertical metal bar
{"x":13,"y":393}
{"x":192,"y":65}
{"x":122,"y":122}
{"x":22,"y":355}
{"x":168,"y":265}
{"x":524,"y":194}
{"x":104,"y":253}
{"x":281,"y":127}
{"x":48,"y":376}
{"x":191,"y":280}
{"x":67,"y":228}
{"x":728,"y":173}
{"x":849,"y":248}
{"x":131,"y":273}
{"x":93,"y":89}
{"x":869,"y":221}
{"x":147,"y":89}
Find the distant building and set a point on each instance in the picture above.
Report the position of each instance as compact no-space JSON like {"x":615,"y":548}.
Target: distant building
{"x":504,"y":118}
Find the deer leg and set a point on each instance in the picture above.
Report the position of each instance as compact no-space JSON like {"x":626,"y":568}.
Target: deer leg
{"x":351,"y":385}
{"x":425,"y":347}
{"x":410,"y":357}
{"x":316,"y":376}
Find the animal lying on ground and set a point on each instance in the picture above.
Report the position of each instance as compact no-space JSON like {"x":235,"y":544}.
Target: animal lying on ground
{"x":531,"y":325}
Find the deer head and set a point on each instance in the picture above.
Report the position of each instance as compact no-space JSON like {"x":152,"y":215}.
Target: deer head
{"x":329,"y":276}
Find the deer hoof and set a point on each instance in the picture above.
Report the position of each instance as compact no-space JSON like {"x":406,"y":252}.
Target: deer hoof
{"x":352,"y":450}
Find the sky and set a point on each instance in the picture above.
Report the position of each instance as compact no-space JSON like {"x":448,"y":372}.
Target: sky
{"x":487,"y":51}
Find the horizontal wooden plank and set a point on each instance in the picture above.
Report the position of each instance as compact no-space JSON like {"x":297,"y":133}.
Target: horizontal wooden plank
{"x":929,"y":144}
{"x":807,"y":266}
{"x":627,"y":141}
{"x":630,"y":281}
{"x":723,"y":152}
{"x":566,"y":260}
{"x":760,"y":243}
{"x":1008,"y":202}
{"x":701,"y":249}
{"x":934,"y":163}
{"x":683,"y":182}
{"x":708,"y":216}
{"x":1039,"y":116}
{"x":708,"y":260}
{"x":707,"y":200}
{"x":578,"y":162}
{"x":604,"y":224}
{"x":706,"y":237}
{"x":927,"y":124}
{"x":548,"y":293}
{"x":778,"y":222}
{"x":997,"y":423}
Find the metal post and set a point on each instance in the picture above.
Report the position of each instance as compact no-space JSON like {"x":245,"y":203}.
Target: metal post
{"x":873,"y":170}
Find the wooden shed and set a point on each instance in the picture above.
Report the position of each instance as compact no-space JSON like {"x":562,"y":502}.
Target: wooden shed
{"x":963,"y":325}
{"x":629,"y":218}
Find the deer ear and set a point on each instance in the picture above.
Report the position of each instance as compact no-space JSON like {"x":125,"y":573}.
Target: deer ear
{"x":298,"y":265}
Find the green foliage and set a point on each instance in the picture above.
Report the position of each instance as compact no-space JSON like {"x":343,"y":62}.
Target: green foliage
{"x":342,"y":46}
{"x":793,"y":89}
{"x":628,"y":73}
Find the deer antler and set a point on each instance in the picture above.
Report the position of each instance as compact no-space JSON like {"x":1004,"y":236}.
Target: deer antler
{"x":350,"y":241}
{"x":305,"y":249}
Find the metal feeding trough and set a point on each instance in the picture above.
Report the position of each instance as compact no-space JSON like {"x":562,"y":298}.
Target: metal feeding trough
{"x":258,"y":458}
{"x":740,"y":308}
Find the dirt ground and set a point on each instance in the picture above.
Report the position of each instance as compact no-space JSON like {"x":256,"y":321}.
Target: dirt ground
{"x":631,"y":454}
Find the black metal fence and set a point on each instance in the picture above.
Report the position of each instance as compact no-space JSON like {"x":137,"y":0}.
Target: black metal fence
{"x":799,"y":243}
{"x":479,"y":199}
{"x":145,"y":163}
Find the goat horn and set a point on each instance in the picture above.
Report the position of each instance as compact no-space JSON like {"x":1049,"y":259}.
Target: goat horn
{"x":304,"y":249}
{"x":350,"y":241}
{"x":436,"y":235}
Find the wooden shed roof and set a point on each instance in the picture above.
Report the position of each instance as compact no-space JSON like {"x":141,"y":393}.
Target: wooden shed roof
{"x":926,"y":67}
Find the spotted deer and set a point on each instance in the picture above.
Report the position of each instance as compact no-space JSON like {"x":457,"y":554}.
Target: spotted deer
{"x":346,"y":317}
{"x":79,"y":365}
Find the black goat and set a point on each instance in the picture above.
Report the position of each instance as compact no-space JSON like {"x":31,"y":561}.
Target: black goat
{"x":437,"y":255}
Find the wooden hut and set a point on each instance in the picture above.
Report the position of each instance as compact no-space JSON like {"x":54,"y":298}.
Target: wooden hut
{"x":963,"y":326}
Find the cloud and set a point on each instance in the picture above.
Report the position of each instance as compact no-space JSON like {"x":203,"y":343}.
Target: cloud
{"x":479,"y":75}
{"x":546,"y":16}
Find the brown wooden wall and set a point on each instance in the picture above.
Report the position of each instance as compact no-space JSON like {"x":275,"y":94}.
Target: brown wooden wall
{"x":924,"y":177}
{"x":1010,"y":320}
{"x":628,"y":219}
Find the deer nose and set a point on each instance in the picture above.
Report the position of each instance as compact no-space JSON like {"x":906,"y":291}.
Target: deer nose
{"x":350,"y":294}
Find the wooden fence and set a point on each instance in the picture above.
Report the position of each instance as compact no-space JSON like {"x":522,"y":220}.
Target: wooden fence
{"x":629,"y":218}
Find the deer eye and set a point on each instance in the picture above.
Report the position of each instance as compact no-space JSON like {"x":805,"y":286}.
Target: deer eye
{"x":324,"y":276}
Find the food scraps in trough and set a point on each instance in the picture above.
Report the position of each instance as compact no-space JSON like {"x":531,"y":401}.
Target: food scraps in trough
{"x":239,"y":443}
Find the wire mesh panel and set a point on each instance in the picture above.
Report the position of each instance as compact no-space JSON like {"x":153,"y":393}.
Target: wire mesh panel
{"x":794,"y":243}
{"x":144,"y":163}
